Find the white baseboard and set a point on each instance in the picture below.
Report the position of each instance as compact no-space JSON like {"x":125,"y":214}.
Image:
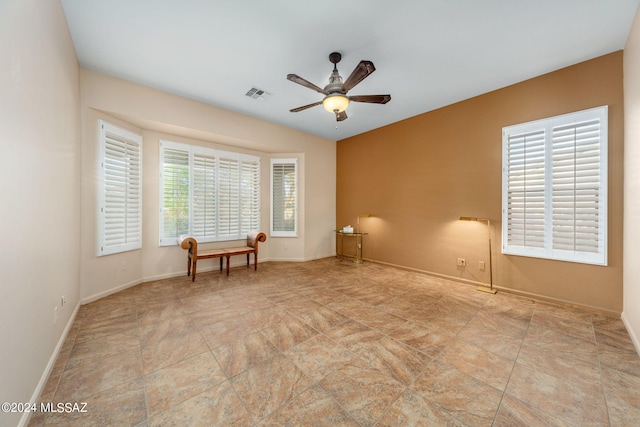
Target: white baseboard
{"x":632,"y":333}
{"x":111,"y":291}
{"x":47,"y":370}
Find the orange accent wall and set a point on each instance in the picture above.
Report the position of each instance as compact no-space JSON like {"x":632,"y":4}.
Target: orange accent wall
{"x":416,"y":177}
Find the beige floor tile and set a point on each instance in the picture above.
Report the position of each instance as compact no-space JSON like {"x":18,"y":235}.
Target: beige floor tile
{"x":322,"y":318}
{"x":268,"y":385}
{"x":510,"y":306}
{"x":89,"y":379}
{"x":622,"y":392}
{"x":216,"y":313}
{"x":516,"y":413}
{"x":478,"y":362}
{"x":335,"y":343}
{"x":561,"y":344}
{"x":428,"y":338}
{"x":466,"y":398}
{"x":602,"y":321}
{"x":318,"y":356}
{"x":172,"y":327}
{"x":226,"y":331}
{"x":91,"y":351}
{"x":244,"y":353}
{"x":151,"y":314}
{"x":265,"y":317}
{"x":392,"y":357}
{"x":313,"y":407}
{"x":100,"y":327}
{"x":176,"y":383}
{"x":406,"y":308}
{"x":580,"y":330}
{"x":364,"y":392}
{"x":567,"y":399}
{"x":122,"y":405}
{"x":172,"y":349}
{"x":218,"y":406}
{"x":558,"y":364}
{"x":412,"y":409}
{"x":287,"y":332}
{"x":495,"y":333}
{"x":565,"y":312}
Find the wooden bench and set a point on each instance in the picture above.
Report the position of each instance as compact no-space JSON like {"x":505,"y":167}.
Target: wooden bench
{"x":193,"y":254}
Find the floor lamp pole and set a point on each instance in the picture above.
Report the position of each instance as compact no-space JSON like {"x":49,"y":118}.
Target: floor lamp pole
{"x":490,"y":288}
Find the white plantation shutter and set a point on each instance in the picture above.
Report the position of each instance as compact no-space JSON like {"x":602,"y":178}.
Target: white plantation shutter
{"x":209,"y":194}
{"x":174,"y":192}
{"x":249,"y":196}
{"x":228,"y":198}
{"x":525,"y":190}
{"x":577,"y":188}
{"x":120,"y":190}
{"x":555,"y":187}
{"x":204,"y":195}
{"x":284,"y":197}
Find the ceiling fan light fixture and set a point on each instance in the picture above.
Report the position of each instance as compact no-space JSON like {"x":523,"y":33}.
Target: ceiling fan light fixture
{"x":335,"y":103}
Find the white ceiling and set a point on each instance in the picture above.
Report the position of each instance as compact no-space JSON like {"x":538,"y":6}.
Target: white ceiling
{"x":427,"y":53}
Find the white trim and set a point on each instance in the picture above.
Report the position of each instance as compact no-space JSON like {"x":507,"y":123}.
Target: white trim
{"x":128,"y":138}
{"x":281,"y":233}
{"x":108,"y":292}
{"x":35,"y":397}
{"x":549,"y":162}
{"x":632,"y":333}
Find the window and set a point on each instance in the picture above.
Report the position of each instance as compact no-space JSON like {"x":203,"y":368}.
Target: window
{"x":554,"y":188}
{"x":209,"y":194}
{"x":119,"y":190}
{"x":284,"y":197}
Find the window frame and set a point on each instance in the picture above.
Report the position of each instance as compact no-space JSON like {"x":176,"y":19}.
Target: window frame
{"x":131,"y":217}
{"x":546,"y":241}
{"x":244,"y":185}
{"x":272,"y":214}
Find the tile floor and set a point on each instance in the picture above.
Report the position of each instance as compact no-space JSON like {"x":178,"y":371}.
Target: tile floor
{"x":331,"y":343}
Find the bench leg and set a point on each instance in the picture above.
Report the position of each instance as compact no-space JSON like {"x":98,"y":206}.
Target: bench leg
{"x":193,"y":271}
{"x":247,"y":260}
{"x":221,"y":263}
{"x":255,"y":261}
{"x":228,"y":257}
{"x":188,"y":266}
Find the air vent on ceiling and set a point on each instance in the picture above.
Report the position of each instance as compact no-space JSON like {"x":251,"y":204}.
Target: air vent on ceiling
{"x":257,"y":94}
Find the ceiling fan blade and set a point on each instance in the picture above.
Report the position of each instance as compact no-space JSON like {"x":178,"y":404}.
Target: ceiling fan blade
{"x":306,"y":83}
{"x":373,"y":99}
{"x":304,"y":107}
{"x":362,"y":70}
{"x":341,"y":116}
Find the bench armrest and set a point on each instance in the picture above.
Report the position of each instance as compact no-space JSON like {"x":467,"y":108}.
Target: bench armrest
{"x":253,"y":239}
{"x":188,"y":243}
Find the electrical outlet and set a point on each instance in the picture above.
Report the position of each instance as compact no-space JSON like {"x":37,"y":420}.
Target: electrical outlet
{"x":461,"y":262}
{"x":63,"y":301}
{"x":124,"y":265}
{"x":481,"y":265}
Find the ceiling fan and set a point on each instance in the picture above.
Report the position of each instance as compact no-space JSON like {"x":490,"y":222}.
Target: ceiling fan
{"x":336,"y":99}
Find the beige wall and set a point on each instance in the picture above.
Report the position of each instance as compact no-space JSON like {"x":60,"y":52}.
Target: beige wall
{"x":39,"y":193}
{"x":631,"y":312}
{"x":159,"y":115}
{"x":418,"y":176}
